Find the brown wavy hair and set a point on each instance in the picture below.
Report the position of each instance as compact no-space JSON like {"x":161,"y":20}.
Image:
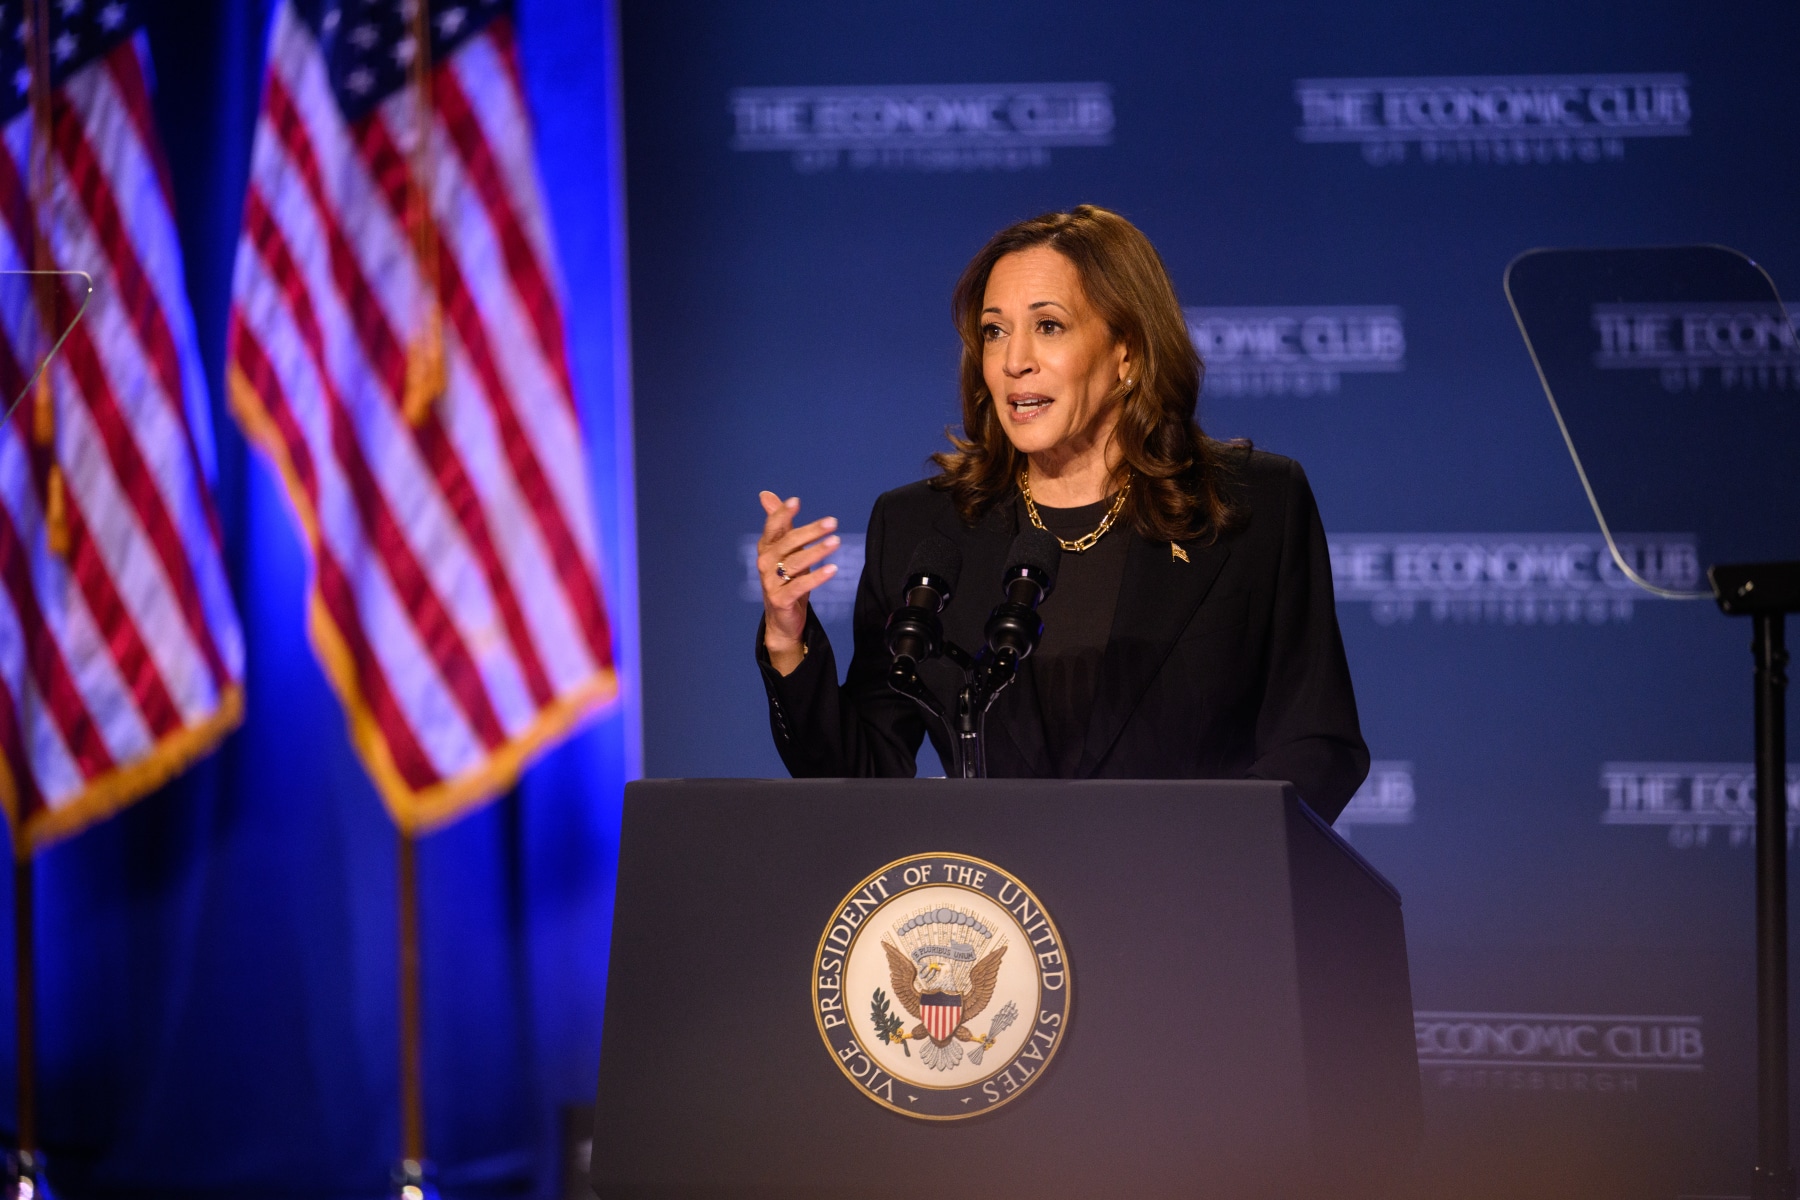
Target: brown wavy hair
{"x":1179,"y":474}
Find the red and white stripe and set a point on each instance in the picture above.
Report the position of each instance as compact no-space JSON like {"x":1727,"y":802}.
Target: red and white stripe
{"x":123,"y":661}
{"x":455,"y":597}
{"x":941,"y":1019}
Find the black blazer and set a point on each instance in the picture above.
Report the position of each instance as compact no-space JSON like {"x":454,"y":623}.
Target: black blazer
{"x":1226,"y":666}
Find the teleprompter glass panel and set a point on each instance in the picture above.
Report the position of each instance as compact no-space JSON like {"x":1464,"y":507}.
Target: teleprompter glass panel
{"x":1674,"y":375}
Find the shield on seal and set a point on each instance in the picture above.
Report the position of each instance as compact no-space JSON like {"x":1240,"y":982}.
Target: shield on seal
{"x":942,"y":1013}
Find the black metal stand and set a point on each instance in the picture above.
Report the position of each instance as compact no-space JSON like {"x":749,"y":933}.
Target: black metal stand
{"x":409,"y":1173}
{"x":1767,"y":592}
{"x":22,"y":1177}
{"x":984,"y":678}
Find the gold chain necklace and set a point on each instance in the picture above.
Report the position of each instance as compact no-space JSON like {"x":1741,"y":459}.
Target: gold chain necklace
{"x":1082,"y":543}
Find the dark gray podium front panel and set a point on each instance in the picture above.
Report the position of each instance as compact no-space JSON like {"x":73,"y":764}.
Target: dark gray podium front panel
{"x":1241,"y":1020}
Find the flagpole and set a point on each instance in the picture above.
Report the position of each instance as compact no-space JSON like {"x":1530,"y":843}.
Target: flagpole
{"x":24,"y":1168}
{"x":25,"y":1021}
{"x":424,"y":383}
{"x":412,"y":1084}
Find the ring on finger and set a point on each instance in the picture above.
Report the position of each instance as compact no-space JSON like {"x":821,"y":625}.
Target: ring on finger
{"x":782,"y":571}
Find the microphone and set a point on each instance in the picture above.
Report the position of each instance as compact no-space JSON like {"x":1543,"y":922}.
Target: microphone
{"x":914,"y":632}
{"x":1014,"y":627}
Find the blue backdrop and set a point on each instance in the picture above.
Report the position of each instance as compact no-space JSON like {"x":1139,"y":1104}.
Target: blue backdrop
{"x":1336,"y":188}
{"x":219,"y":962}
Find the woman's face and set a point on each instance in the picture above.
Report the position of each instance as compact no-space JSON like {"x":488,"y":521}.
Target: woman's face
{"x":1048,"y":358}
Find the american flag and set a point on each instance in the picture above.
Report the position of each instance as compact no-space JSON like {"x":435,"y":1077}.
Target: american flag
{"x":396,"y":349}
{"x":121,"y":657}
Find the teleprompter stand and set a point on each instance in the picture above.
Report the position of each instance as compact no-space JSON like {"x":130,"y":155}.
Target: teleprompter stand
{"x":1767,"y":593}
{"x":1674,"y":376}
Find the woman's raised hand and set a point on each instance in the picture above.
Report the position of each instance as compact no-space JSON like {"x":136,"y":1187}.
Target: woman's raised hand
{"x":788,"y":562}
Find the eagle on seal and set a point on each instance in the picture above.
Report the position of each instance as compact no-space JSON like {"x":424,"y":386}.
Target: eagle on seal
{"x":933,"y":992}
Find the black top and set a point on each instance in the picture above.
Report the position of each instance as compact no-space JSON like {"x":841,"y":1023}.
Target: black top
{"x":1077,"y":615}
{"x":1224,"y":659}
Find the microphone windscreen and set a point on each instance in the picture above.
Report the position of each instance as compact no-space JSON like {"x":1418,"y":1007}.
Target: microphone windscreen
{"x":938,"y":557}
{"x":1037,"y":549}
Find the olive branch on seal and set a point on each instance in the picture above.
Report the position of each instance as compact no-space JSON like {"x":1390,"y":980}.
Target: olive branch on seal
{"x":886,"y":1023}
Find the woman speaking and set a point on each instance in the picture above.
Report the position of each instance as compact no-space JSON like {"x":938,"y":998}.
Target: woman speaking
{"x":1190,"y":633}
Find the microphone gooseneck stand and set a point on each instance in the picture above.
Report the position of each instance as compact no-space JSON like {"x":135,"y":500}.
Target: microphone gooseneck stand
{"x":984,"y":677}
{"x":1767,"y":592}
{"x":983,"y":681}
{"x":915,"y":634}
{"x":903,"y":677}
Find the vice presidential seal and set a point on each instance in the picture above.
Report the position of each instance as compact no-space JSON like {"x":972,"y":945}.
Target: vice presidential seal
{"x":941,"y":987}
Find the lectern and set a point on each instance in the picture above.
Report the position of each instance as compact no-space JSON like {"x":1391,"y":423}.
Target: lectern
{"x":1120,"y":988}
